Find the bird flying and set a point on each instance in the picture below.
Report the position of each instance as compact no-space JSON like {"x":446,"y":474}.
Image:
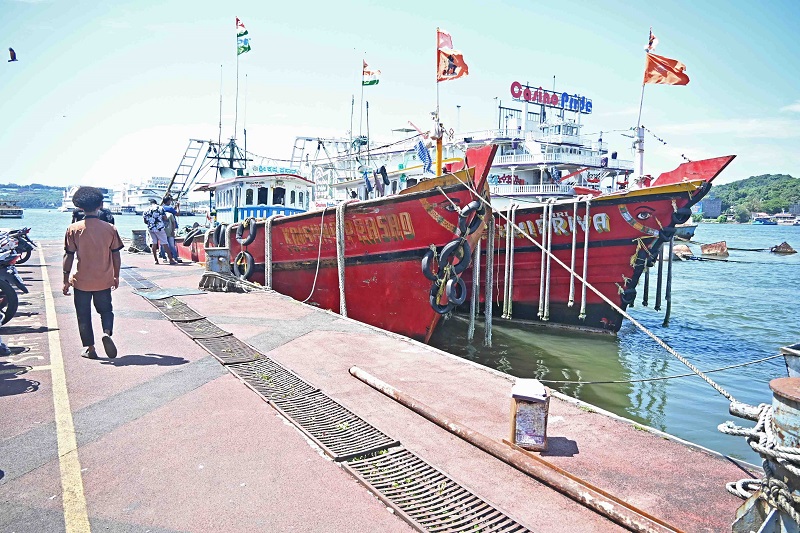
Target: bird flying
{"x":13,"y":55}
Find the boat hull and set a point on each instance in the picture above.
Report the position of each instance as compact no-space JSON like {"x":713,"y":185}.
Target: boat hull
{"x":624,"y":234}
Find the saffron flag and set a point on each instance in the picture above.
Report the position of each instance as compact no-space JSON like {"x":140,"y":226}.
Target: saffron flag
{"x":450,"y":63}
{"x":660,"y":69}
{"x":370,"y":77}
{"x":424,"y":157}
{"x":242,"y":39}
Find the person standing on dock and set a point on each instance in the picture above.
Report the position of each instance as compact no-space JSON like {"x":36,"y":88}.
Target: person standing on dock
{"x":155,"y":218}
{"x":96,"y":243}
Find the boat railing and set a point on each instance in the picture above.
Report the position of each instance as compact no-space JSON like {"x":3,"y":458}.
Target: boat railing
{"x":537,"y":136}
{"x":573,"y":159}
{"x":532,"y":190}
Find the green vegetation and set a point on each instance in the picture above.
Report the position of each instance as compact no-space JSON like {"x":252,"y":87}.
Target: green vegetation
{"x":697,"y":217}
{"x":722,"y":219}
{"x":770,"y":193}
{"x":32,"y":196}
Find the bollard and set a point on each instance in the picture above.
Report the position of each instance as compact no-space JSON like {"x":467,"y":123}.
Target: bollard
{"x":140,"y":240}
{"x":530,"y":403}
{"x":218,"y":260}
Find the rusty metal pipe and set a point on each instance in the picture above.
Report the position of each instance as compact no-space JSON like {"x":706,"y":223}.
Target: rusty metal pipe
{"x":582,"y":492}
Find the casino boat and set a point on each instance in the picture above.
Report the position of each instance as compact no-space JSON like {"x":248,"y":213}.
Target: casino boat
{"x":363,"y":258}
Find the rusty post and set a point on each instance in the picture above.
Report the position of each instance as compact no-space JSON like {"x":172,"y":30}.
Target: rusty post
{"x":582,"y":492}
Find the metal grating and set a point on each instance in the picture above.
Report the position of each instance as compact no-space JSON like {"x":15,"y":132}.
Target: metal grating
{"x":271,"y":380}
{"x":176,"y":310}
{"x":136,"y":280}
{"x":230,"y":350}
{"x":336,"y":430}
{"x":202,"y":329}
{"x":426,"y":497}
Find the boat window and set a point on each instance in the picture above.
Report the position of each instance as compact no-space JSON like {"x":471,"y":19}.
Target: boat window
{"x":394,"y":186}
{"x":278,"y":196}
{"x":248,"y":197}
{"x":292,"y":197}
{"x":300,"y":201}
{"x":263,"y":193}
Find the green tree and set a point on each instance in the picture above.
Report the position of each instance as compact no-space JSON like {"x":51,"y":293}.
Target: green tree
{"x":697,"y":217}
{"x":722,"y":219}
{"x":742,"y":215}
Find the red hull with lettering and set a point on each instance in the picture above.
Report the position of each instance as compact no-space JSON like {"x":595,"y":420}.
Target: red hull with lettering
{"x":385,"y":241}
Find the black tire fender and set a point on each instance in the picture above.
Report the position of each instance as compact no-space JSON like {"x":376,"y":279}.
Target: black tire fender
{"x":456,"y":291}
{"x":9,"y":301}
{"x":667,"y":233}
{"x":251,"y":232}
{"x":435,"y":305}
{"x":221,"y":236}
{"x":456,"y":249}
{"x":245,"y":258}
{"x":427,"y":265}
{"x":628,"y":296}
{"x":682,"y":215}
{"x":190,"y":237}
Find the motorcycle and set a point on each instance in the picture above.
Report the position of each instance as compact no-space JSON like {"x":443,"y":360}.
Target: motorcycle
{"x":9,"y":277}
{"x":25,"y":245}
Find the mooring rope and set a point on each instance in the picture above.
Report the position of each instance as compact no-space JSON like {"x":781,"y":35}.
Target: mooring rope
{"x":340,"y":243}
{"x":488,"y":290}
{"x":507,"y":265}
{"x":546,"y":315}
{"x":571,"y":300}
{"x":586,"y":229}
{"x":668,"y":290}
{"x":476,"y":288}
{"x":613,"y":305}
{"x":319,"y":255}
{"x":268,"y":250}
{"x":545,"y":224}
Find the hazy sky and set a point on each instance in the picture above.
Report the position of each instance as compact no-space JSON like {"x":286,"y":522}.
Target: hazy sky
{"x":106,"y":92}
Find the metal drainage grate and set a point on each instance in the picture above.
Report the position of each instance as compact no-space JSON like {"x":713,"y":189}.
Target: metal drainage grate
{"x":339,"y":432}
{"x":426,"y":497}
{"x":136,"y":280}
{"x":176,"y":310}
{"x":230,"y":350}
{"x":202,"y":329}
{"x":271,"y":380}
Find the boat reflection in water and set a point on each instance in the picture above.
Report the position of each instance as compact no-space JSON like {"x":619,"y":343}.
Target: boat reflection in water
{"x":557,"y":356}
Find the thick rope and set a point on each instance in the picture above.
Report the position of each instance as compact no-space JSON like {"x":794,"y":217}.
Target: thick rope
{"x":659,"y":277}
{"x":319,"y":255}
{"x":613,"y":305}
{"x":476,"y":288}
{"x":586,"y":229}
{"x":668,"y":290}
{"x":511,"y":268}
{"x":508,"y":262}
{"x":268,"y":249}
{"x":571,"y":300}
{"x":340,"y":242}
{"x":488,"y":290}
{"x":546,"y":315}
{"x":543,"y":246}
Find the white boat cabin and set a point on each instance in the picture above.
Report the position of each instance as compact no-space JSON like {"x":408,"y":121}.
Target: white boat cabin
{"x":259,"y":196}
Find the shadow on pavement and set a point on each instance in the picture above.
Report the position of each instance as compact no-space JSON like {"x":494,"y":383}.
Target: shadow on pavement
{"x":146,"y":359}
{"x":11,"y":382}
{"x":560,"y":447}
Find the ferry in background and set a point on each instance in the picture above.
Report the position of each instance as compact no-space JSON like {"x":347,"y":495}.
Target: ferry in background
{"x":763,"y":219}
{"x":10,"y":209}
{"x":66,"y":199}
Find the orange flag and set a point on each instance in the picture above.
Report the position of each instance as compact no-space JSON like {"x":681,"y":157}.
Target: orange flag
{"x":450,"y":63}
{"x":660,"y":69}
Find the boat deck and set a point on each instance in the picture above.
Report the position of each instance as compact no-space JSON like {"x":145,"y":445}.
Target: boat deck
{"x":166,"y":438}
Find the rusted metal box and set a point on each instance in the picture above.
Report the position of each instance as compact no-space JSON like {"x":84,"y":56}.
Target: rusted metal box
{"x":218,"y":260}
{"x":530,"y":403}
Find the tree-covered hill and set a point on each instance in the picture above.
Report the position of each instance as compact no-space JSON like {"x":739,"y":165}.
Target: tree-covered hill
{"x":771,"y":193}
{"x":34,"y":195}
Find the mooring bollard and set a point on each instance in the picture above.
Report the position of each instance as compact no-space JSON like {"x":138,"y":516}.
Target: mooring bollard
{"x":218,"y":260}
{"x":530,"y":403}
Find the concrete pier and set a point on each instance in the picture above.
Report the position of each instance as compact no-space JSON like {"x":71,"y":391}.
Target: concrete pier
{"x":164,"y":438}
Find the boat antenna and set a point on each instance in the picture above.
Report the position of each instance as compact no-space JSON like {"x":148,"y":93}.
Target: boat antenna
{"x":219,"y":137}
{"x":367,"y":132}
{"x":361,"y":106}
{"x":236,"y":112}
{"x":352,"y":110}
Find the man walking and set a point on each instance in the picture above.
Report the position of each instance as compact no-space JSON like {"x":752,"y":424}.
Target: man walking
{"x":96,"y":244}
{"x":155,"y":219}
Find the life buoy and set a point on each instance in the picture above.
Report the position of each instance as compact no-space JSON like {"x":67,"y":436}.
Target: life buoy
{"x":457,"y":249}
{"x":251,"y":232}
{"x":243,"y":265}
{"x":221,"y":235}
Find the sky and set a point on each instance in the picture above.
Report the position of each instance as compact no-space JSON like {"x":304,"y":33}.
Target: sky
{"x":111,"y":92}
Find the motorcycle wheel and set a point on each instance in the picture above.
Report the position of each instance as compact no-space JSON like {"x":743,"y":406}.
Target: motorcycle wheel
{"x":8,"y":300}
{"x":25,"y":256}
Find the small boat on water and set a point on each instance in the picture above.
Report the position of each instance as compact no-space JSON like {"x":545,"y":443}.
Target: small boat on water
{"x":10,"y":209}
{"x":685,"y":231}
{"x":715,"y":249}
{"x":783,"y":249}
{"x":764,"y":221}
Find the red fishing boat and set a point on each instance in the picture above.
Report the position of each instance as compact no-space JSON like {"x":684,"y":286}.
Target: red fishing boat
{"x":377,"y":276}
{"x":626,"y":231}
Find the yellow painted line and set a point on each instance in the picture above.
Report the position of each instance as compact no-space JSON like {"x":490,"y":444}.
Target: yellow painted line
{"x":76,"y":516}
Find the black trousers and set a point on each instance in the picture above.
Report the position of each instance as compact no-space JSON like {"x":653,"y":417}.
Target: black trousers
{"x":83,"y":308}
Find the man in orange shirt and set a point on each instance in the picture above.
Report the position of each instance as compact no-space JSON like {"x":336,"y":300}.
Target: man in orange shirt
{"x":96,"y":244}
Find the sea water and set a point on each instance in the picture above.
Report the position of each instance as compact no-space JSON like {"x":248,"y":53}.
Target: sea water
{"x":723,"y":314}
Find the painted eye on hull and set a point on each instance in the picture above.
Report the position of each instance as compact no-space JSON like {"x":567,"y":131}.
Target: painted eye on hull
{"x":644,"y":215}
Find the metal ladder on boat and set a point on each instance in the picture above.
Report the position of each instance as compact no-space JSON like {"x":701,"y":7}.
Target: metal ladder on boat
{"x":186,"y":173}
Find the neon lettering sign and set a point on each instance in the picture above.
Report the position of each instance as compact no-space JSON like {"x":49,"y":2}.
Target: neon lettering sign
{"x":569,"y":102}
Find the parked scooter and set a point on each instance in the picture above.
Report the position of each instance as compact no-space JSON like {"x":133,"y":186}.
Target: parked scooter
{"x":9,"y":277}
{"x":25,"y":245}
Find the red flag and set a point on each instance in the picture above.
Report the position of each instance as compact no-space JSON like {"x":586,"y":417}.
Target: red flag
{"x":450,"y":63}
{"x":660,"y":69}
